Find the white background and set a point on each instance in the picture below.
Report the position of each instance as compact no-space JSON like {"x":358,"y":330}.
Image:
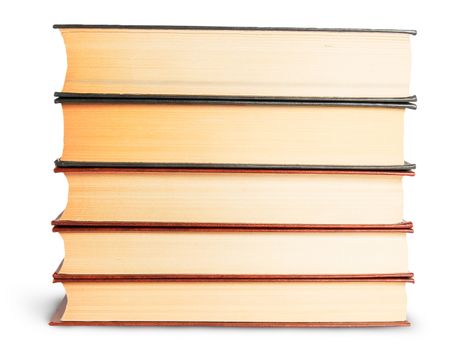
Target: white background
{"x":437,"y":138}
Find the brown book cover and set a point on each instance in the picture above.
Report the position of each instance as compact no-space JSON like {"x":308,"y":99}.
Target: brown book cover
{"x":403,"y":225}
{"x":85,"y":229}
{"x":59,"y":277}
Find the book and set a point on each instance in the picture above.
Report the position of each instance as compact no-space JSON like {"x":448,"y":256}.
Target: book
{"x":272,"y":63}
{"x":232,"y":133}
{"x":240,"y":302}
{"x":232,"y":197}
{"x":137,"y":252}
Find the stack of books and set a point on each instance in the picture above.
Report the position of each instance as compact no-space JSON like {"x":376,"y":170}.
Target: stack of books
{"x":234,"y":176}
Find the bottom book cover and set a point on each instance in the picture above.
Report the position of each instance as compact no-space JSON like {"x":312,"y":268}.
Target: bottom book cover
{"x":243,"y":302}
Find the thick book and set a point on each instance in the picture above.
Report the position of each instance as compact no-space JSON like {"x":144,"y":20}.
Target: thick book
{"x":251,"y":133}
{"x":278,"y":302}
{"x":233,"y":198}
{"x":269,"y":63}
{"x":137,"y":252}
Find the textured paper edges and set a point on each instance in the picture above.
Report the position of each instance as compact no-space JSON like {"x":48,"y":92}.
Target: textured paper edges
{"x":56,"y":321}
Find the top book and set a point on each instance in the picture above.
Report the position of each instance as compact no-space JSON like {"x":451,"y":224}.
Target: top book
{"x":226,"y":62}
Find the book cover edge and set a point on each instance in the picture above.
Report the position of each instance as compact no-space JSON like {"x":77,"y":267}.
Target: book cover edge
{"x":110,"y":229}
{"x":65,"y":165}
{"x":387,"y":102}
{"x":175,"y":225}
{"x":249,"y":28}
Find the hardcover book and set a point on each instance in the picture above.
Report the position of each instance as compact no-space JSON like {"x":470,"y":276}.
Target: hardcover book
{"x":252,"y":63}
{"x":232,"y":198}
{"x":137,"y":252}
{"x":234,"y":133}
{"x":240,"y":302}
